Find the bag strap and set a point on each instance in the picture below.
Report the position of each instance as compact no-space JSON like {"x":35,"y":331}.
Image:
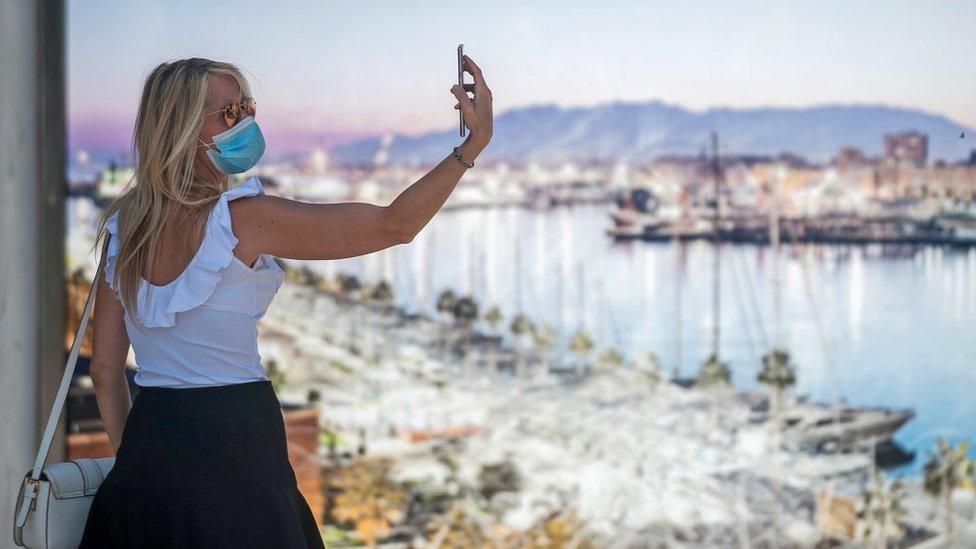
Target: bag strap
{"x":30,"y":487}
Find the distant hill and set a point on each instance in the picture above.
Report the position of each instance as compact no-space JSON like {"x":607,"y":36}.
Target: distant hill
{"x":642,"y":131}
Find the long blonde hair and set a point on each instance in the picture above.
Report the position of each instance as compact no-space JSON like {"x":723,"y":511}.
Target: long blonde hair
{"x":170,"y":117}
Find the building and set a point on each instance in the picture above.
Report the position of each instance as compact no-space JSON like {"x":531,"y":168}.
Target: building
{"x":903,"y":147}
{"x":850,"y":158}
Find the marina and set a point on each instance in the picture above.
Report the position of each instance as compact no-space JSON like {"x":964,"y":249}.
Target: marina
{"x":638,"y":456}
{"x":401,"y":379}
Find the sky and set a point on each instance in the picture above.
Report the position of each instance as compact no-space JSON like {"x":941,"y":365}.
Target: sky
{"x":328,"y":72}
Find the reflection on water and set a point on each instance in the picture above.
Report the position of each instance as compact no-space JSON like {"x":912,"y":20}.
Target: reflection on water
{"x":897,"y":321}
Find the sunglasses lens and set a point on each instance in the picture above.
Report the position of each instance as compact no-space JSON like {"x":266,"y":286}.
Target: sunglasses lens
{"x":231,"y":112}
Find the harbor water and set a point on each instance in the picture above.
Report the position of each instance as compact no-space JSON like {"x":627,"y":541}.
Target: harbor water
{"x":869,"y":325}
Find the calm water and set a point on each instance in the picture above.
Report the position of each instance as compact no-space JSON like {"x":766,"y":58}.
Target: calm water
{"x":897,"y":324}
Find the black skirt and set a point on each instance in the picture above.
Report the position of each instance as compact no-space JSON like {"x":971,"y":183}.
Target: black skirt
{"x":202,"y":467}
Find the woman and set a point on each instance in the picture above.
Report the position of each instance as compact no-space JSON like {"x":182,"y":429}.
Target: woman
{"x":201,"y":457}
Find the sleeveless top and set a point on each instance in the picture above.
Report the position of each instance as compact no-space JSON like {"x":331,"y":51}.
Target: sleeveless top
{"x":201,"y":328}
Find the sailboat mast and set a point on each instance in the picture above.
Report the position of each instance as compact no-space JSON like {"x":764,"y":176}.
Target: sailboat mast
{"x":716,"y":265}
{"x":774,"y":240}
{"x":518,"y":267}
{"x":676,"y":374}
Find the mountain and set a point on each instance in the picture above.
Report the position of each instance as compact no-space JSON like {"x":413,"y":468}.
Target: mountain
{"x":642,"y":131}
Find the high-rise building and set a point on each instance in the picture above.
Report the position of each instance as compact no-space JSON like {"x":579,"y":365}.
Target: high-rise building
{"x":906,"y":147}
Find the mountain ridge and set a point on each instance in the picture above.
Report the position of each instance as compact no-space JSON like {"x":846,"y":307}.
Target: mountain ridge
{"x":639,"y":131}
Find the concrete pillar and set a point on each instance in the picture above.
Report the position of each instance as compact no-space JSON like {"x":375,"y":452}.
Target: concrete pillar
{"x":32,"y":186}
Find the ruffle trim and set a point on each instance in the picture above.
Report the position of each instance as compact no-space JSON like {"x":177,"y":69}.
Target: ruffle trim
{"x":158,"y":305}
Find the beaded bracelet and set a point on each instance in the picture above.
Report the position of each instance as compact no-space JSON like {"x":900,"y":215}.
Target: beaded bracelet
{"x":457,"y":154}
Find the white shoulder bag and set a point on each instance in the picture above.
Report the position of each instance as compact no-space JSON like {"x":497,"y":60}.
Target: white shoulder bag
{"x":53,"y":502}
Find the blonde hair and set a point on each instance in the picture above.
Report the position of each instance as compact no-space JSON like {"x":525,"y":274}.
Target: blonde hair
{"x":166,"y":189}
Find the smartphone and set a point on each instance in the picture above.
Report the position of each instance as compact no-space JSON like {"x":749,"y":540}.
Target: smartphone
{"x":461,"y":83}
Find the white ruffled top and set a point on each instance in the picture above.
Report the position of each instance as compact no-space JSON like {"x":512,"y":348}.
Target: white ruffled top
{"x":201,"y":328}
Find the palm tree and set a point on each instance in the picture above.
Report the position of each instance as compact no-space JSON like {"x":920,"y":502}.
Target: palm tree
{"x":581,"y":345}
{"x":368,"y":498}
{"x":362,"y":317}
{"x":349,"y":286}
{"x":294,"y":274}
{"x":322,"y":283}
{"x":493,"y":317}
{"x":330,"y":439}
{"x":779,"y":374}
{"x":275,"y":374}
{"x":609,"y":360}
{"x":445,"y":306}
{"x":520,"y":327}
{"x":880,"y":511}
{"x":716,"y":378}
{"x":714,"y":374}
{"x":544,"y":338}
{"x":383,"y":295}
{"x":648,"y":367}
{"x":947,"y":469}
{"x":465,"y":314}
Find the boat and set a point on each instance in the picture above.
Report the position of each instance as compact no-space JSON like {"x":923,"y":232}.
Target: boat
{"x":818,"y":427}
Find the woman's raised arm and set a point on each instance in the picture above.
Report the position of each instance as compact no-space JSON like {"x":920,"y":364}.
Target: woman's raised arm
{"x":300,"y":230}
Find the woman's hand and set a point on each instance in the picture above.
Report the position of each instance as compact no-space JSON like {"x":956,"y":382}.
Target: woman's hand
{"x":477,"y":110}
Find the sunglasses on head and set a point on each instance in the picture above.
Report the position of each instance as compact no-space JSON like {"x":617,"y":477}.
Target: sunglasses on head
{"x":234,"y":109}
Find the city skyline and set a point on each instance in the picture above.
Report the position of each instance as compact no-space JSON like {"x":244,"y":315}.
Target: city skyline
{"x":739,"y":56}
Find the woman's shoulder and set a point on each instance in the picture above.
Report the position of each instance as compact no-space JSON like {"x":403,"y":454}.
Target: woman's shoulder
{"x":251,"y":186}
{"x":239,"y":220}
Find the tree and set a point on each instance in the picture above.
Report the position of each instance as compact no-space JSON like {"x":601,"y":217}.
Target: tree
{"x":609,"y":360}
{"x":349,"y":287}
{"x":275,"y":374}
{"x":465,"y":314}
{"x":581,"y":345}
{"x":520,"y":327}
{"x":544,"y":338}
{"x":383,"y":296}
{"x":383,"y":293}
{"x":714,"y":374}
{"x":948,"y":468}
{"x":559,"y":530}
{"x":364,"y":297}
{"x":647,"y":366}
{"x":493,"y":318}
{"x":499,"y":477}
{"x":368,"y":498}
{"x":458,"y":529}
{"x":880,"y":511}
{"x":445,"y":306}
{"x":779,"y":374}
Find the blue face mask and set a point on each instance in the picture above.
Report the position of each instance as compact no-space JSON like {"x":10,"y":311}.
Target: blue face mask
{"x":239,"y":148}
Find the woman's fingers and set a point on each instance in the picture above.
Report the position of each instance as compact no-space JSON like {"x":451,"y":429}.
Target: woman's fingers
{"x":477,"y":109}
{"x":474,"y":69}
{"x":479,"y":86}
{"x":467,"y":107}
